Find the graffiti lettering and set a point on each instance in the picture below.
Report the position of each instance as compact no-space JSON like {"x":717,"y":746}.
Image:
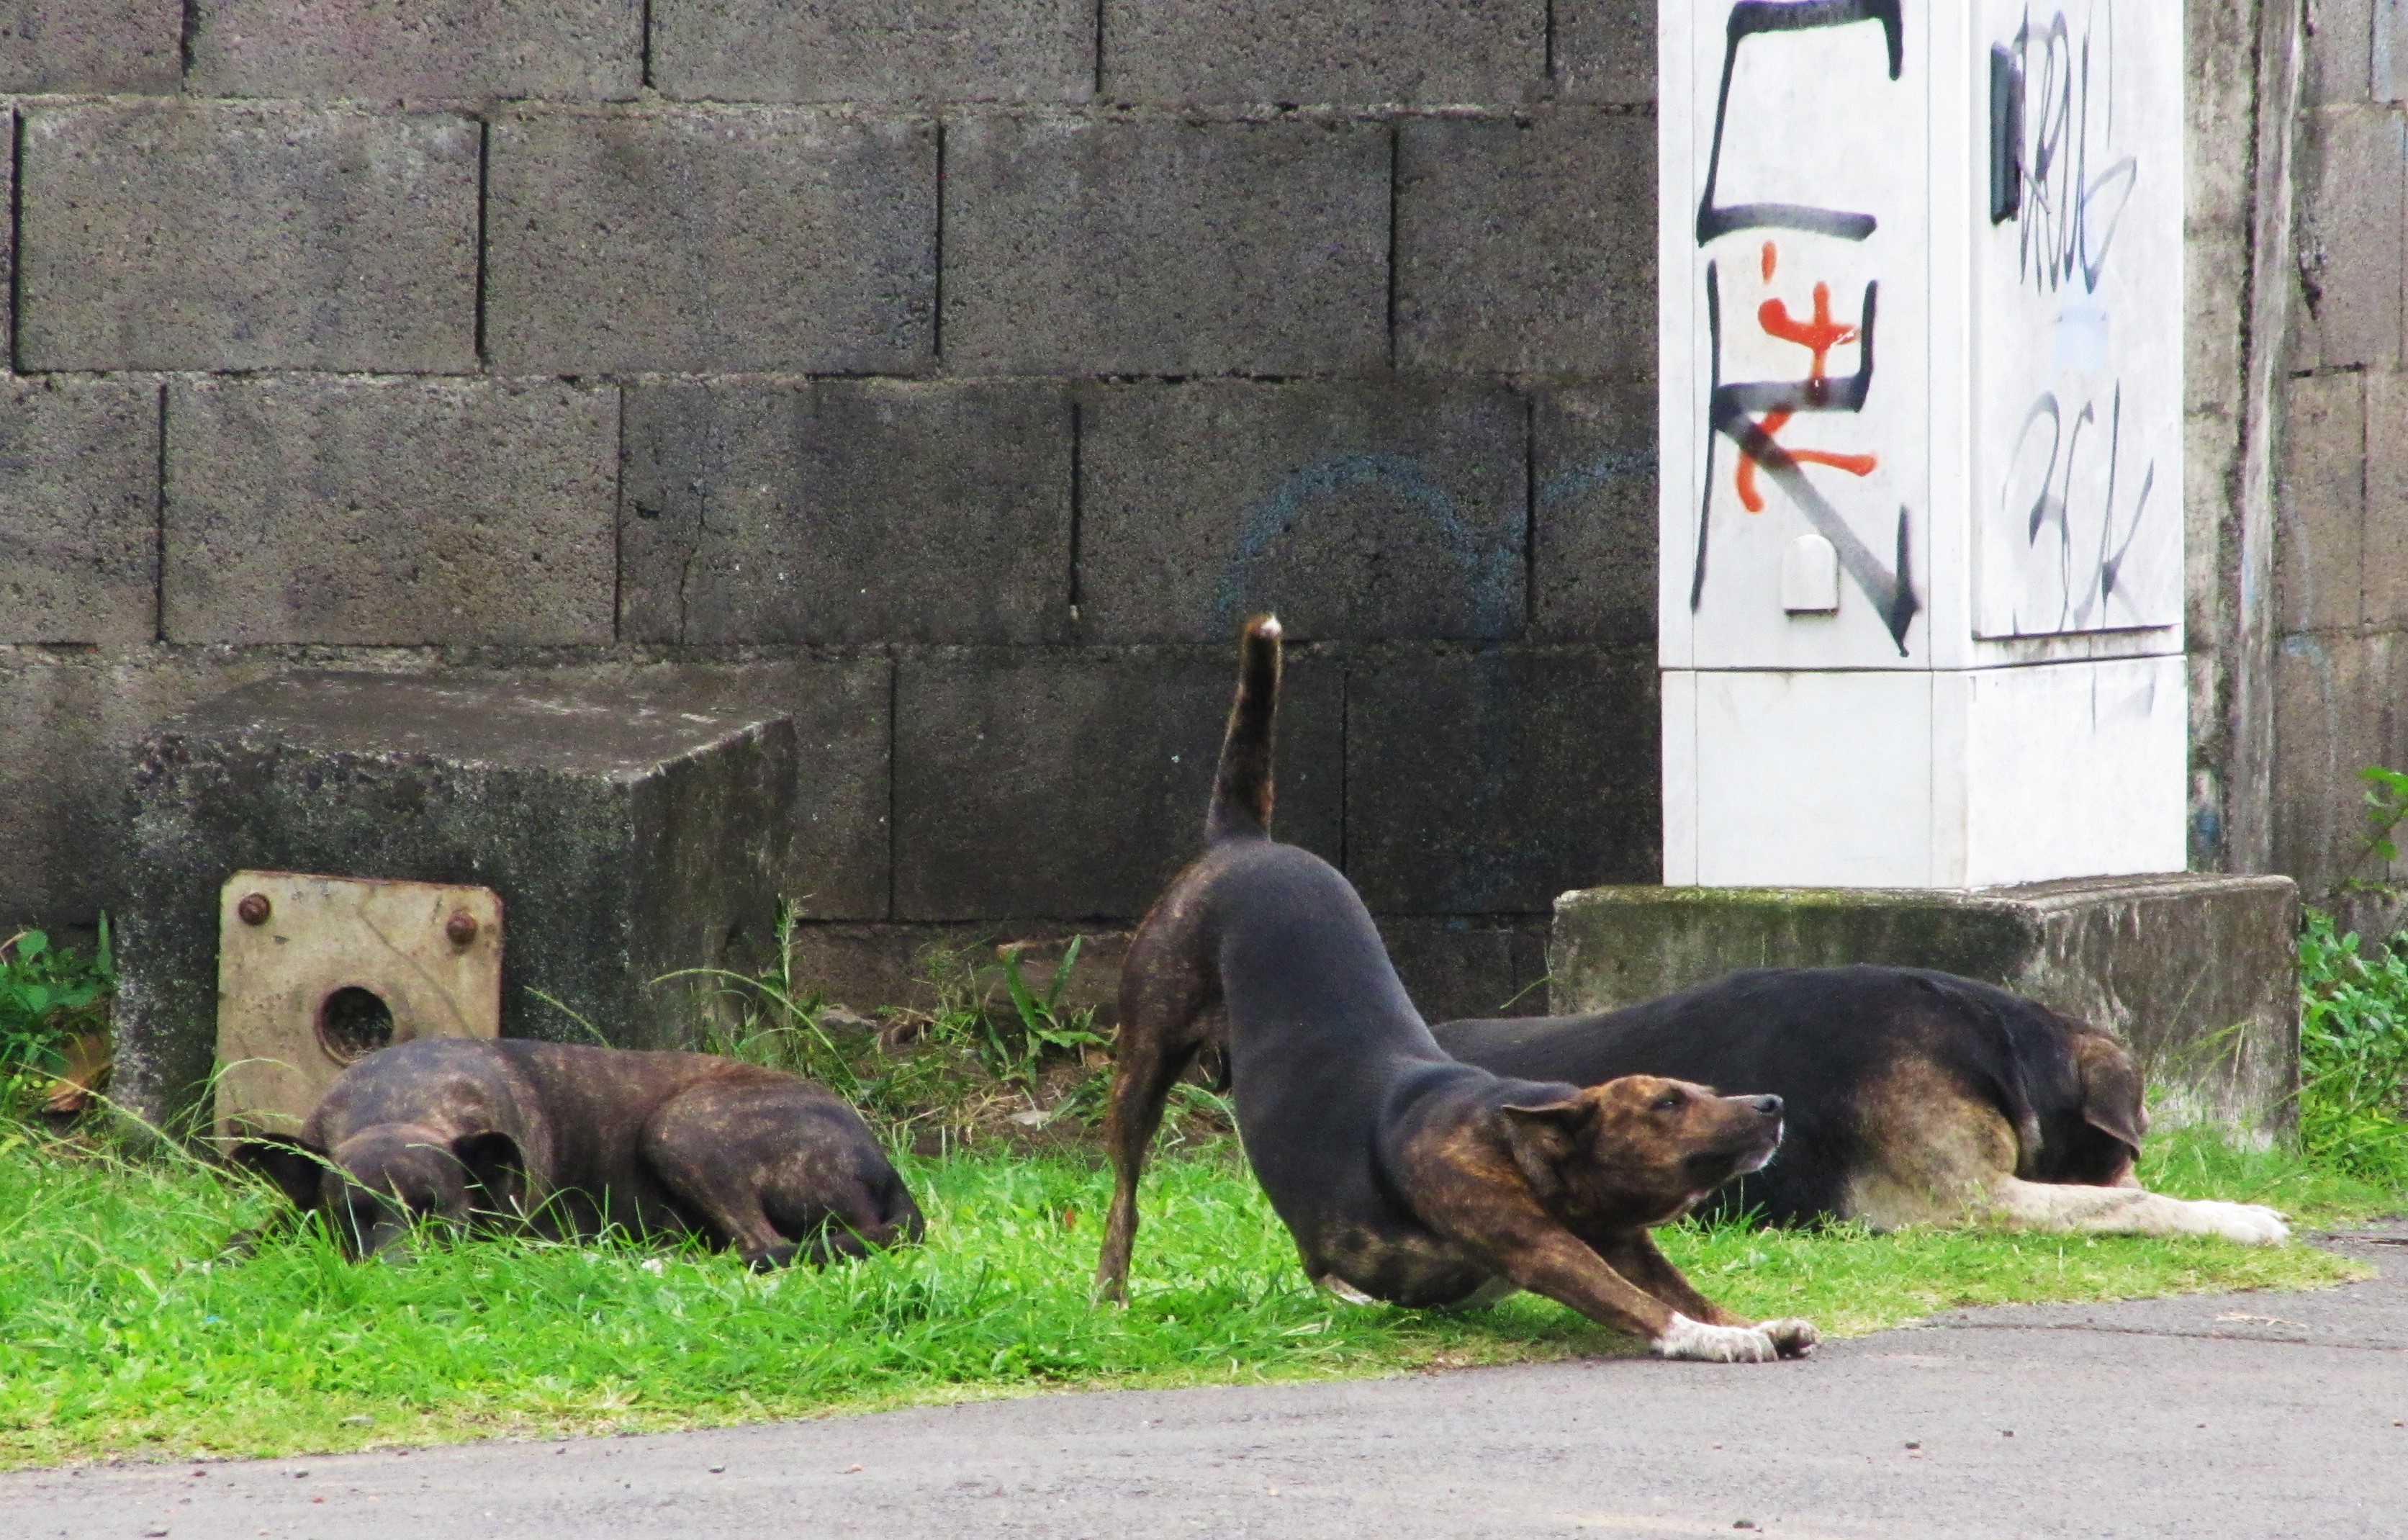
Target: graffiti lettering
{"x":1818,"y":336}
{"x":1749,"y":19}
{"x":1729,"y":409}
{"x":2083,"y":602}
{"x":2057,"y":176}
{"x":2056,"y":130}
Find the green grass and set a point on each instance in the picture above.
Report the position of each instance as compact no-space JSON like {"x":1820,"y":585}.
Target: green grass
{"x":119,"y":1334}
{"x":2353,"y":1053}
{"x":49,"y":996}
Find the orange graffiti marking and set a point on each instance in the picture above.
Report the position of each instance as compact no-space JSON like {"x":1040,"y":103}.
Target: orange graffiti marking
{"x":1818,"y":336}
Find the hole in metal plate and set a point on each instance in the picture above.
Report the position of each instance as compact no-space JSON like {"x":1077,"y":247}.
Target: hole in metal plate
{"x":353,"y":1023}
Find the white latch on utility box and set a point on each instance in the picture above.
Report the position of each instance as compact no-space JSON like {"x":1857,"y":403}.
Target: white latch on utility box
{"x":1810,"y":577}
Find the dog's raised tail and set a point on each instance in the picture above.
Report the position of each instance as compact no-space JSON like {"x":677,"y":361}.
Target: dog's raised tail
{"x":1241,"y":791}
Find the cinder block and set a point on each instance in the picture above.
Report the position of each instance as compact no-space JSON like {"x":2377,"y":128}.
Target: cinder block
{"x":203,"y":237}
{"x":2338,"y":63}
{"x":1593,"y":571}
{"x":841,"y":708}
{"x":2391,"y":62}
{"x":1487,"y":784}
{"x":846,"y":511}
{"x":1072,"y":786}
{"x":1527,"y":247}
{"x":1605,"y":51}
{"x":826,"y":50}
{"x":1151,"y":247}
{"x":2319,"y":554}
{"x":2383,"y":588}
{"x":90,"y":45}
{"x":838,"y":848}
{"x":626,"y":843}
{"x":2353,"y":165}
{"x":78,"y":510}
{"x":426,"y":50}
{"x":710,"y":238}
{"x":866,"y":968}
{"x":1323,"y":51}
{"x":1460,"y":968}
{"x":2336,"y":711}
{"x":67,"y":719}
{"x":1358,"y":511}
{"x":389,"y":511}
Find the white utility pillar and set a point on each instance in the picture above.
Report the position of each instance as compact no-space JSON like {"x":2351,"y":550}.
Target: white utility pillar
{"x":1922,"y":416}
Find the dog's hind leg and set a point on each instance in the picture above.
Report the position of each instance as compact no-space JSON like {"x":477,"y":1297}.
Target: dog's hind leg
{"x":830,"y":1219}
{"x":2127,"y":1210}
{"x":686,"y":1145}
{"x":1154,"y":1050}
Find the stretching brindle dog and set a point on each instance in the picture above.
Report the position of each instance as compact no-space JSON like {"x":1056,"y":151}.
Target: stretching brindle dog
{"x":1404,"y":1175}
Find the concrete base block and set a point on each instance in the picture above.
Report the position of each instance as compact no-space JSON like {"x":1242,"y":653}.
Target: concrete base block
{"x":628,"y":838}
{"x":2198,"y":974}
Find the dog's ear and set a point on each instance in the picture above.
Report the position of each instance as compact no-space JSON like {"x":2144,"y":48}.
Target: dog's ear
{"x":2112,"y":1091}
{"x":1547,"y":1131}
{"x":294,"y":1165}
{"x":494,"y":1164}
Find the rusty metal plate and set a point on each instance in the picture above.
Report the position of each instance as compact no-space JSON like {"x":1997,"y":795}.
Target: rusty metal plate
{"x":316,"y":973}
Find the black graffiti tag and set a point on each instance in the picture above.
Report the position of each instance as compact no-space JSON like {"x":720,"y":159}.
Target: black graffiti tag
{"x":1752,"y":18}
{"x":2052,"y":505}
{"x":2052,"y":129}
{"x":1729,"y":412}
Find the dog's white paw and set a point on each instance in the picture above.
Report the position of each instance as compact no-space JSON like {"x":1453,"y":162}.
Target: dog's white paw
{"x":1791,"y":1337}
{"x":2248,"y":1224}
{"x":1695,"y":1340}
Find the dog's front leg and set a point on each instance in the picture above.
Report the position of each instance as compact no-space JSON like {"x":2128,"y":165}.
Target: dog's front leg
{"x":1524,"y":1243}
{"x":1567,"y":1270}
{"x":1633,"y":1254}
{"x":2129,"y":1211}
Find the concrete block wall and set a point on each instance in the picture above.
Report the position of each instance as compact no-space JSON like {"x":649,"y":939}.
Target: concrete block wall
{"x":953,"y":376}
{"x":2341,"y":669}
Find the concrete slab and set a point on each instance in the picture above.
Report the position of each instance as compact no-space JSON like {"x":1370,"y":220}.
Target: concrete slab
{"x":627,"y":837}
{"x":1993,"y":1425}
{"x":2195,"y":971}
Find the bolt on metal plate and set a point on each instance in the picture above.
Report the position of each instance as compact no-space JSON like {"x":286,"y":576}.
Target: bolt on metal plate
{"x":315,"y":973}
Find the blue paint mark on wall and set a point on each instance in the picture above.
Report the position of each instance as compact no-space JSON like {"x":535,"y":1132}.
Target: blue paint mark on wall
{"x":1573,"y":480}
{"x":1488,"y":566}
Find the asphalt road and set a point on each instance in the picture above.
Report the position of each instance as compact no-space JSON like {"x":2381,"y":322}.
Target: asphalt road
{"x":2226,"y":1416}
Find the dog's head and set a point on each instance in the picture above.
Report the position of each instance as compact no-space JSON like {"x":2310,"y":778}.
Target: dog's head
{"x":2113,"y":1115}
{"x":374,"y":1185}
{"x":1640,"y":1150}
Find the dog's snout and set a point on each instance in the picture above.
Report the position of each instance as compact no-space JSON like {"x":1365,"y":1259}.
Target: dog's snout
{"x":1769,"y":1105}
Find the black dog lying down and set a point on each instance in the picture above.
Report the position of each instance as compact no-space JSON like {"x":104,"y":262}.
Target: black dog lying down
{"x":1913,"y":1098}
{"x":569,"y":1141}
{"x":1403,"y":1175}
